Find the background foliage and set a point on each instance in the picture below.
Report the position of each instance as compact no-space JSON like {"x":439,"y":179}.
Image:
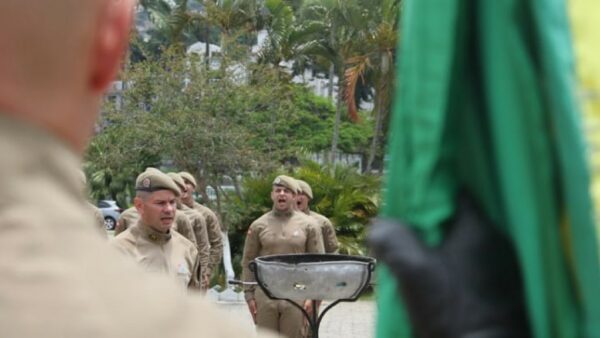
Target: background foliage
{"x":214,"y":123}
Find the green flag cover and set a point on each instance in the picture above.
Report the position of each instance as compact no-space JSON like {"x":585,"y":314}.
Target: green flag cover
{"x":486,"y":100}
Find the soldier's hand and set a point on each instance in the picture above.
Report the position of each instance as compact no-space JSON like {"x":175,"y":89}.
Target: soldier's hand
{"x":309,"y":309}
{"x":469,"y":285}
{"x":252,"y":308}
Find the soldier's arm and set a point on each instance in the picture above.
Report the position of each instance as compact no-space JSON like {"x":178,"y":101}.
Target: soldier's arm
{"x":202,"y":245}
{"x":196,"y":280}
{"x":330,"y":241}
{"x":121,"y":225}
{"x":184,"y":226}
{"x":314,"y":239}
{"x":252,"y":248}
{"x":214,"y":238}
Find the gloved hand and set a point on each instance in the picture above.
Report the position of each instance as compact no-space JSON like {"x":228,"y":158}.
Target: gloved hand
{"x":469,"y":286}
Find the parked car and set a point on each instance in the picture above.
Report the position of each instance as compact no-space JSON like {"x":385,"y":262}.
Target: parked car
{"x":111,"y":213}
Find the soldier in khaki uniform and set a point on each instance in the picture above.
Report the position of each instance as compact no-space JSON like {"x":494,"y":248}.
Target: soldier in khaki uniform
{"x":213,"y":226}
{"x":131,"y":216}
{"x":303,"y":198}
{"x":151,"y":242}
{"x":58,"y":278}
{"x":283,"y":230}
{"x":198,"y":225}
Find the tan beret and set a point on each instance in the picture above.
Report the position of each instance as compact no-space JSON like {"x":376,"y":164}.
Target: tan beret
{"x":153,"y":180}
{"x":188,"y":177}
{"x":288,"y":182}
{"x":304,"y":188}
{"x":141,"y":176}
{"x":178,"y":180}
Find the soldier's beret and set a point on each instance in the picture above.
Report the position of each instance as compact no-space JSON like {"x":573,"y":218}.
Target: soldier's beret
{"x":153,"y":180}
{"x":188,"y":177}
{"x":178,"y":180}
{"x":304,"y":188}
{"x":148,"y":170}
{"x":286,"y":181}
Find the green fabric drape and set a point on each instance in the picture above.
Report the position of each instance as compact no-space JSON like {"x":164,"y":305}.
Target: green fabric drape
{"x":486,"y":100}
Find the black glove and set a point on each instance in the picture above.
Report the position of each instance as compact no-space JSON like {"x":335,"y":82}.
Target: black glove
{"x":469,"y":286}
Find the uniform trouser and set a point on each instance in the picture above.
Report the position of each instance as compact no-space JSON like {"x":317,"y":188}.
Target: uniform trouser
{"x":279,"y":316}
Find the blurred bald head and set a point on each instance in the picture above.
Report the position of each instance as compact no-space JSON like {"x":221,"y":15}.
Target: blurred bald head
{"x":58,"y":56}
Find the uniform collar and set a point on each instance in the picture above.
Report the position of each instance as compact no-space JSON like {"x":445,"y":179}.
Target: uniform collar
{"x":278,"y":213}
{"x":189,"y":206}
{"x":153,"y":235}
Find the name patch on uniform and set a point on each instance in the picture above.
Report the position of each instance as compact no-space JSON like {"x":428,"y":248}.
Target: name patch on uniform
{"x":182,"y":269}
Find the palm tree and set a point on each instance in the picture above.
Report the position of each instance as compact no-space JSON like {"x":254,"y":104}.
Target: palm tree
{"x":376,"y":56}
{"x":344,"y":30}
{"x":174,"y":23}
{"x":358,"y":40}
{"x":233,"y":16}
{"x":288,"y":39}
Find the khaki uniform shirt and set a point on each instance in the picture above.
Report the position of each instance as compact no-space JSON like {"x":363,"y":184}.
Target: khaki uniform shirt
{"x":131,"y":216}
{"x":278,"y":232}
{"x":58,"y":278}
{"x":128,"y":218}
{"x":215,"y":238}
{"x":199,"y":226}
{"x":330,"y":241}
{"x":169,"y":253}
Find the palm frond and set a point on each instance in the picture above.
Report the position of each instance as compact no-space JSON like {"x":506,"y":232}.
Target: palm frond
{"x":355,"y":71}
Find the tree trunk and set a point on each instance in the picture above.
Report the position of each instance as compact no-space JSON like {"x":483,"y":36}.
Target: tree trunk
{"x":330,"y":85}
{"x":236,"y":185}
{"x":331,"y":66}
{"x":381,"y":105}
{"x":376,"y":135}
{"x":207,"y":48}
{"x":201,"y":188}
{"x":218,"y":198}
{"x":336,"y":127}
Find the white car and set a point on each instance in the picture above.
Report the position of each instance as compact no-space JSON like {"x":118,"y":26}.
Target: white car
{"x":111,"y":213}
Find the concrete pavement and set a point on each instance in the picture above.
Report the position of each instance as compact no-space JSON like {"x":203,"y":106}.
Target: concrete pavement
{"x":345,"y":320}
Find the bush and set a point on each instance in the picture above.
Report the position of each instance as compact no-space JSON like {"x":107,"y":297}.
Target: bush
{"x":349,"y":199}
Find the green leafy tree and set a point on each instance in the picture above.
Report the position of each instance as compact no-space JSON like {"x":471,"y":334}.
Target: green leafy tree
{"x":176,"y":114}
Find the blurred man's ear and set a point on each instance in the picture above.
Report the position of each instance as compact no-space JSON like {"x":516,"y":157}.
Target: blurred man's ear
{"x":110,"y":42}
{"x":138,"y":203}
